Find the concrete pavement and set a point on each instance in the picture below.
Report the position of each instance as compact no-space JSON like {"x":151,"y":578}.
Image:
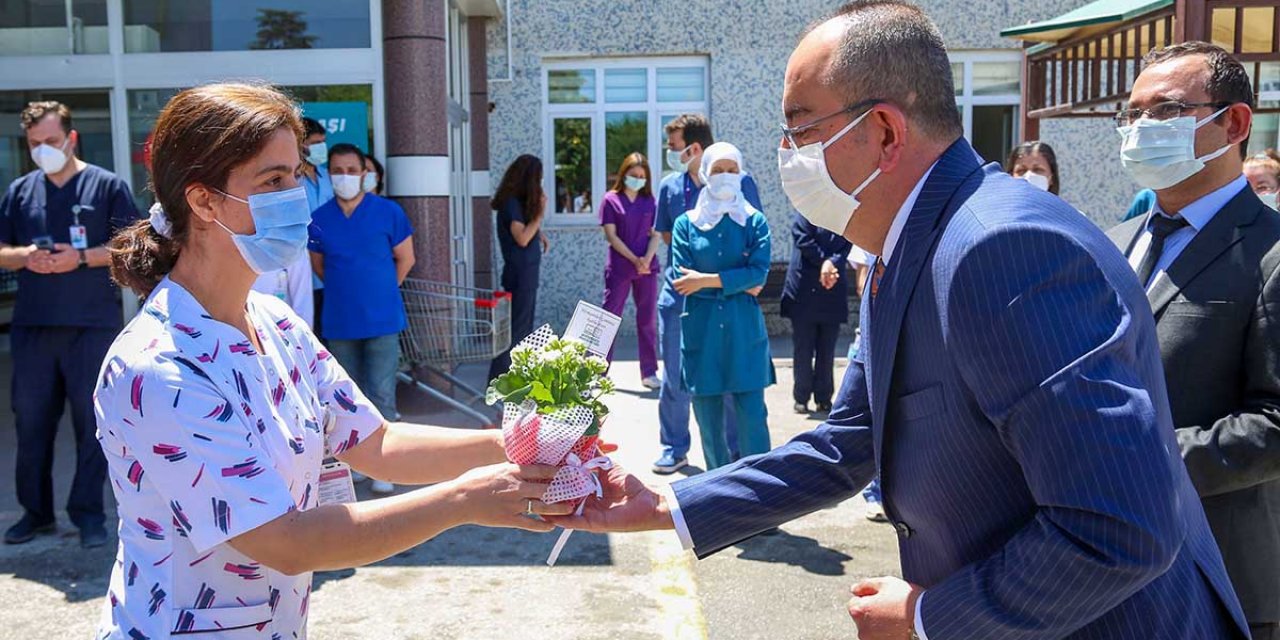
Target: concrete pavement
{"x":476,"y":583}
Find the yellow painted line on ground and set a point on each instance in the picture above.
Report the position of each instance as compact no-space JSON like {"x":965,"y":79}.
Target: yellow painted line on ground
{"x":679,"y":612}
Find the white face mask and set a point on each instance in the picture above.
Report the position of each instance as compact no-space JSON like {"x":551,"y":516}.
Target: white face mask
{"x":370,"y":183}
{"x":724,"y":186}
{"x":50,"y":159}
{"x":346,"y":187}
{"x":675,"y":164}
{"x":1268,"y":199}
{"x":809,"y":186}
{"x":1038,"y":181}
{"x":1159,"y":154}
{"x":318,"y":154}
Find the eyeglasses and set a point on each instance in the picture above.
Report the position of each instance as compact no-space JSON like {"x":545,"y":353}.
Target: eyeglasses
{"x":790,"y":133}
{"x":1163,"y":111}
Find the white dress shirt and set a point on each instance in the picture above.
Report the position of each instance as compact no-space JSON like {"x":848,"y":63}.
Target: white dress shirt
{"x":1197,"y":214}
{"x":890,"y":243}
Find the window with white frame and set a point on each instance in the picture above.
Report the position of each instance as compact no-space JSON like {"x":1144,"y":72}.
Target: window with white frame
{"x":596,"y":112}
{"x":1266,"y":126}
{"x":988,"y":94}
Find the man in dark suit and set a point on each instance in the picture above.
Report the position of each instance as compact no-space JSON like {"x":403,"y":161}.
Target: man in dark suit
{"x":1009,"y":388}
{"x":815,"y":298}
{"x":1208,"y":253}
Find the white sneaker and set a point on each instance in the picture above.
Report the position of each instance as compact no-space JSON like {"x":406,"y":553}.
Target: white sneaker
{"x":652,"y":382}
{"x":382,"y":486}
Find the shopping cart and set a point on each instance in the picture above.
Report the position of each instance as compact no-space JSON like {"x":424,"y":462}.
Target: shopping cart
{"x":449,"y":326}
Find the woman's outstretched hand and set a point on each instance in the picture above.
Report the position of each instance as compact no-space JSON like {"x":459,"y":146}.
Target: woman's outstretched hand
{"x":502,"y":495}
{"x":627,"y":505}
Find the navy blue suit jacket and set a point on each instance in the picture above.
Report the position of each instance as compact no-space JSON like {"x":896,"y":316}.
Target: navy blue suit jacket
{"x":803,"y":296}
{"x":1012,"y":397}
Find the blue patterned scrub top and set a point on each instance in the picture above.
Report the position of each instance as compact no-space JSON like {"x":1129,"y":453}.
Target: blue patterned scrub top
{"x":206,"y":439}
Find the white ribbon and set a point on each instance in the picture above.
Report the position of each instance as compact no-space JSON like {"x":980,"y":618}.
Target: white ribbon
{"x":602,"y":463}
{"x":160,"y":221}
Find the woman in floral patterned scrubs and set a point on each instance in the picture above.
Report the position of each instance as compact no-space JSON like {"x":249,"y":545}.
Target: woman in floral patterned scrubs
{"x":217,"y":406}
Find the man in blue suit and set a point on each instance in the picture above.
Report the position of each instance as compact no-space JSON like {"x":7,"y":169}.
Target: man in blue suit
{"x":1009,"y":388}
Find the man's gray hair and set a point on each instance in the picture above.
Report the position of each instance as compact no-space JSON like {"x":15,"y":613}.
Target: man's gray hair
{"x":892,"y":51}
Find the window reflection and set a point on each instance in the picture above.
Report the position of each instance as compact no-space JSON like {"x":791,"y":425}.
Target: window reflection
{"x":572,"y":140}
{"x":236,"y":25}
{"x":52,"y":27}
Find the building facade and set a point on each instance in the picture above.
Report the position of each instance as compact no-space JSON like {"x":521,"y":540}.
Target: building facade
{"x":449,"y":92}
{"x":583,"y":83}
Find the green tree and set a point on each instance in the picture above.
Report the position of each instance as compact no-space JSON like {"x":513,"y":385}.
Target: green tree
{"x":278,"y":29}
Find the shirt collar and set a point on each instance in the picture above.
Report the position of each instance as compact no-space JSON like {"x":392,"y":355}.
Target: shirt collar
{"x":1199,"y":213}
{"x":900,"y":220}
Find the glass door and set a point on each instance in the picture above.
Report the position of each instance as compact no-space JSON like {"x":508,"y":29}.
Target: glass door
{"x":460,"y":201}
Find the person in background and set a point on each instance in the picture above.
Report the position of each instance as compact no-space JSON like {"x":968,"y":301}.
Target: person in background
{"x":816,"y":300}
{"x":315,"y":180}
{"x":54,"y":225}
{"x":861,"y":262}
{"x":721,"y":250}
{"x":362,"y":247}
{"x":688,"y":135}
{"x":374,"y":179}
{"x":1036,"y":163}
{"x":626,"y":214}
{"x":1263,"y":172}
{"x":315,"y":153}
{"x":521,"y":205}
{"x":294,"y":285}
{"x":1208,"y":256}
{"x":1143,"y":202}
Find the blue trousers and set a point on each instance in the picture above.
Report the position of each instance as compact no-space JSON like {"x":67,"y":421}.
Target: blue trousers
{"x":753,"y":426}
{"x":53,"y":367}
{"x":523,"y":286}
{"x":372,"y":363}
{"x":674,"y":402}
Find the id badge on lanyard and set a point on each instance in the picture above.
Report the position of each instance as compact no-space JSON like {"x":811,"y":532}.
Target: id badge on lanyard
{"x":337,"y":485}
{"x":79,"y":235}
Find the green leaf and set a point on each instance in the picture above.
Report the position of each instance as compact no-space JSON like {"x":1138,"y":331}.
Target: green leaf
{"x":541,"y":394}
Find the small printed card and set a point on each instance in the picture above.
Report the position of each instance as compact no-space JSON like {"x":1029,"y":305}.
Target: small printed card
{"x":593,"y":327}
{"x":336,"y":484}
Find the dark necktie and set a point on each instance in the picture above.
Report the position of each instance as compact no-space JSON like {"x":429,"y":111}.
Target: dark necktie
{"x":1161,"y":228}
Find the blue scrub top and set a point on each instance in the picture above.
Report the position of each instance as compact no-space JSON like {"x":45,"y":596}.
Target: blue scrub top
{"x":1143,"y":203}
{"x":362,"y":295}
{"x":34,"y":207}
{"x":515,"y":256}
{"x":320,"y":190}
{"x":677,"y":193}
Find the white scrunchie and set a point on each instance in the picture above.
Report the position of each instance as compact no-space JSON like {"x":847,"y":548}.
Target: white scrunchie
{"x":160,"y":222}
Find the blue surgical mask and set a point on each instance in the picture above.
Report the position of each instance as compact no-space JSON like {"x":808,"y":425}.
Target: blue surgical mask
{"x":280,"y":221}
{"x":318,"y":154}
{"x":635,"y":184}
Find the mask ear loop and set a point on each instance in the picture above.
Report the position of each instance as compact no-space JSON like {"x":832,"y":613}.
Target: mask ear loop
{"x":847,"y":128}
{"x":1216,"y":154}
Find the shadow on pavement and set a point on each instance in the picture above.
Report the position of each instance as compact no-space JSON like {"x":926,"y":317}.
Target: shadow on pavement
{"x":797,"y":551}
{"x":474,"y":546}
{"x":59,"y":563}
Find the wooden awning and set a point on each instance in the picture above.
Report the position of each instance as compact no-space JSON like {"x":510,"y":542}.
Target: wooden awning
{"x":1083,"y":63}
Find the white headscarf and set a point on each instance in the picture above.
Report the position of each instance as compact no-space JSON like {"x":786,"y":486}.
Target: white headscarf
{"x":706,"y":214}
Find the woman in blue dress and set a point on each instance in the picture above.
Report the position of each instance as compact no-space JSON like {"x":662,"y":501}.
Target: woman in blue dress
{"x":722,"y":249}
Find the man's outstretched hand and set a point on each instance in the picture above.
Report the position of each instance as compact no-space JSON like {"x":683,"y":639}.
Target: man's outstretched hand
{"x":628,"y":505}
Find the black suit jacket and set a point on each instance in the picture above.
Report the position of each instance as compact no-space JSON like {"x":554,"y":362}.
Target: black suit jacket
{"x":1217,"y":312}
